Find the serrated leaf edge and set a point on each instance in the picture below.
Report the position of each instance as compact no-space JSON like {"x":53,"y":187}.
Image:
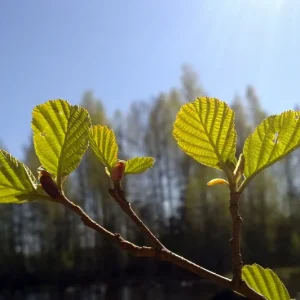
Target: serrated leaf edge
{"x":226,"y":108}
{"x":143,"y":170}
{"x":263,"y":287}
{"x":95,"y":147}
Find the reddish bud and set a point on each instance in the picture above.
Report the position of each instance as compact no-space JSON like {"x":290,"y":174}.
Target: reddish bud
{"x":48,"y":184}
{"x":117,"y":171}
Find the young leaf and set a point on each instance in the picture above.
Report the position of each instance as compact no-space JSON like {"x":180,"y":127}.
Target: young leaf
{"x":204,"y":129}
{"x":274,"y":138}
{"x":17,"y":183}
{"x":60,"y":135}
{"x":265,"y":282}
{"x":104,"y":145}
{"x":138,"y":165}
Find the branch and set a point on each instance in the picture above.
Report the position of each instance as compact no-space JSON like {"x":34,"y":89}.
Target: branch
{"x":161,"y":254}
{"x":119,"y":196}
{"x":86,"y":220}
{"x":243,"y":288}
{"x":237,"y":263}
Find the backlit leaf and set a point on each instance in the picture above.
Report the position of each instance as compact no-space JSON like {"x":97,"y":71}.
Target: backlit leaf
{"x":17,"y":183}
{"x":138,"y":165}
{"x":103,"y":142}
{"x":274,"y":138}
{"x":60,"y":135}
{"x":265,"y":282}
{"x":204,"y":129}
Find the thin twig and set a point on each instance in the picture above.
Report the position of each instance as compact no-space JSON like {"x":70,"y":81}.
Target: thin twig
{"x":87,"y":221}
{"x":119,"y":196}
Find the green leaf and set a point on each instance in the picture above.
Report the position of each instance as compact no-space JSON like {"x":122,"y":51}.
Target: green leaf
{"x":204,"y":129}
{"x":60,"y":135}
{"x":103,"y":142}
{"x":138,"y":165}
{"x":274,"y":138}
{"x":265,"y":282}
{"x":17,"y":183}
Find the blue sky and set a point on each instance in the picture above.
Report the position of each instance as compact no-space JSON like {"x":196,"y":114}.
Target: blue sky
{"x":131,"y":50}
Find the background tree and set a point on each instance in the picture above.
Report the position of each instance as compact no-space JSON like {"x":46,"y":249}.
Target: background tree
{"x":173,"y":199}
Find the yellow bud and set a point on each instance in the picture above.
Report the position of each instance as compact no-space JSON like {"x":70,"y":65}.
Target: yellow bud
{"x":217,"y":181}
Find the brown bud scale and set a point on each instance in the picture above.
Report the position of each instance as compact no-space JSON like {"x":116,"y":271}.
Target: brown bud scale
{"x":49,"y":186}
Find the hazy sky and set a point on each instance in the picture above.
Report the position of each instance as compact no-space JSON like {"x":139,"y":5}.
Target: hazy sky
{"x":129,"y":50}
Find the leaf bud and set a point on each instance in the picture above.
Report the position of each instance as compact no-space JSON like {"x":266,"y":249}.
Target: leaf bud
{"x":48,"y":184}
{"x":117,"y":171}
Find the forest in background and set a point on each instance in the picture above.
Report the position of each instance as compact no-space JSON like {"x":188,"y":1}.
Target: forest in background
{"x":45,"y":243}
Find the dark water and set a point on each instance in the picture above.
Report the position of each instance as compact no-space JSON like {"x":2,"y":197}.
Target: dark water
{"x":149,"y":291}
{"x":146,"y":291}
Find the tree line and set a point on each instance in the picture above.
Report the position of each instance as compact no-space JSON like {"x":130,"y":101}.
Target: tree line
{"x":41,"y":239}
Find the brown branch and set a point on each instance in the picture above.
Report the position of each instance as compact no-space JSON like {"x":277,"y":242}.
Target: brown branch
{"x":161,"y":254}
{"x":237,"y":263}
{"x":119,"y":196}
{"x":238,"y":284}
{"x":86,"y":220}
{"x":243,"y":288}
